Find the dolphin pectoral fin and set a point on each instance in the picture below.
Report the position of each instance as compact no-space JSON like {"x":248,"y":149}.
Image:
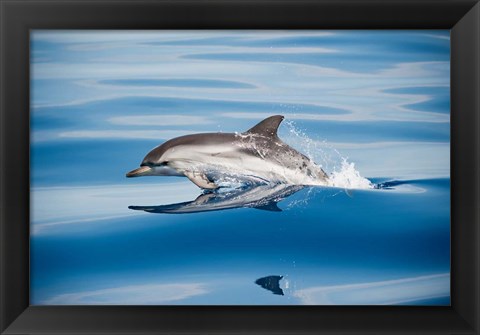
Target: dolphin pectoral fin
{"x":204,"y":198}
{"x":200,"y":180}
{"x":271,"y":206}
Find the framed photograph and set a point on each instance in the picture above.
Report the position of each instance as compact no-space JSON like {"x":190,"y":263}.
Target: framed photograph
{"x":229,"y":167}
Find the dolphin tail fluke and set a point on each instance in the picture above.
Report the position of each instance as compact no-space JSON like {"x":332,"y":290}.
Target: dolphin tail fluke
{"x":267,"y":127}
{"x":200,"y":180}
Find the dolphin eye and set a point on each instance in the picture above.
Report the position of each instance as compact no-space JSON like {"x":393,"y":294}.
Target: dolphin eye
{"x":151,"y":164}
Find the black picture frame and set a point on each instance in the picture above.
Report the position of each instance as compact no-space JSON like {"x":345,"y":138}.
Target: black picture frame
{"x":17,"y":17}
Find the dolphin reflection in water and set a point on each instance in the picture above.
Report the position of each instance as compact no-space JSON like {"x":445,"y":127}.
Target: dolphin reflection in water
{"x":271,"y":283}
{"x":263,"y":197}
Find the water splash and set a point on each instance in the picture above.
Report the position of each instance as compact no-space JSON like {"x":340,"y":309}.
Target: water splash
{"x":342,"y":173}
{"x":320,"y":152}
{"x":348,"y":177}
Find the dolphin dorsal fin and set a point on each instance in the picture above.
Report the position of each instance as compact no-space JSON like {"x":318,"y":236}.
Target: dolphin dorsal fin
{"x":271,"y":206}
{"x":267,"y":127}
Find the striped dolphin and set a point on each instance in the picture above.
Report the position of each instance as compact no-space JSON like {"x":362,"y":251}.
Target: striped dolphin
{"x":258,"y":154}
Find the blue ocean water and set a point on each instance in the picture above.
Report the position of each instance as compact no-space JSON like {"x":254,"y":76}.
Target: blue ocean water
{"x":370,"y":107}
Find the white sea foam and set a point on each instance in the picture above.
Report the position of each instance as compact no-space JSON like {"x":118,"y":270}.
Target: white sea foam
{"x":348,"y":177}
{"x":342,"y":173}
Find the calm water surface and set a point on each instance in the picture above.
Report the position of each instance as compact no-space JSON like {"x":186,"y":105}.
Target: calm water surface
{"x":377,"y":99}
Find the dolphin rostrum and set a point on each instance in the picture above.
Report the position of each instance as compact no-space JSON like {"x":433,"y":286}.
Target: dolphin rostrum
{"x":258,"y":154}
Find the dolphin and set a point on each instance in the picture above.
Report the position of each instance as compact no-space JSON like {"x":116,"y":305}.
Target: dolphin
{"x":257,"y":153}
{"x":263,"y":197}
